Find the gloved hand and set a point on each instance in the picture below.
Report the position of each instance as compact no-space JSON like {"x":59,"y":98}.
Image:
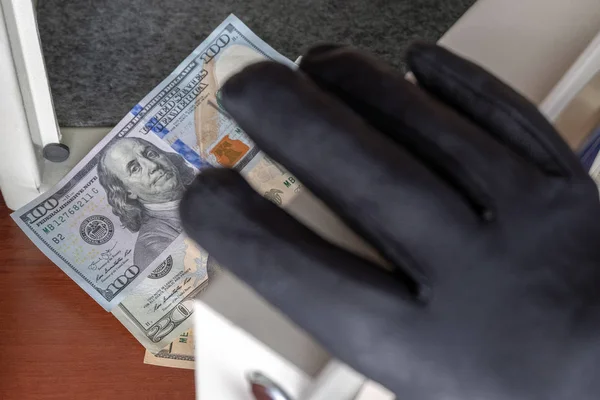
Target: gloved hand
{"x":492,"y":226}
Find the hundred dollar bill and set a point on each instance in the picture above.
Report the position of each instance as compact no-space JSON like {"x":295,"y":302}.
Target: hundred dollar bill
{"x":195,"y":125}
{"x":110,"y":222}
{"x":113,"y":220}
{"x":178,"y":354}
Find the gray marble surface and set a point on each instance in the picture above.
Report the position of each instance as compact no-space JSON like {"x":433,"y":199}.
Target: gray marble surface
{"x":103,"y":56}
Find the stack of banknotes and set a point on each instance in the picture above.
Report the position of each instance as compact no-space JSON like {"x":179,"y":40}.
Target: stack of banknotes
{"x":112,"y":224}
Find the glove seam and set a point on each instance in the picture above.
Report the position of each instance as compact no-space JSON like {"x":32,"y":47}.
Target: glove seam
{"x":509,"y":112}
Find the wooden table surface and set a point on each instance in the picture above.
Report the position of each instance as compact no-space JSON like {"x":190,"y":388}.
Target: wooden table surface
{"x":57,"y":343}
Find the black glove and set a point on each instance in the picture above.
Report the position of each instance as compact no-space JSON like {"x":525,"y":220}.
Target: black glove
{"x":490,"y":221}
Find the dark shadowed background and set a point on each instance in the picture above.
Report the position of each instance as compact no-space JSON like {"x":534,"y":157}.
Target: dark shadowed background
{"x":103,"y":56}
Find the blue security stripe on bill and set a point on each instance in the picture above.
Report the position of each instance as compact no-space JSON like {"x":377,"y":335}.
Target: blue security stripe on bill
{"x":190,"y":155}
{"x":159,"y":129}
{"x":136,"y":109}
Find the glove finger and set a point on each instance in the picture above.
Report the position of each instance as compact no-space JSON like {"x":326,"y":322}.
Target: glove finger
{"x":508,"y":116}
{"x":378,"y":188}
{"x":324,"y":289}
{"x":456,"y":149}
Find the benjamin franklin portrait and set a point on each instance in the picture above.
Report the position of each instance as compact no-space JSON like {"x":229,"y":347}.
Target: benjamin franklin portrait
{"x":144,"y":185}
